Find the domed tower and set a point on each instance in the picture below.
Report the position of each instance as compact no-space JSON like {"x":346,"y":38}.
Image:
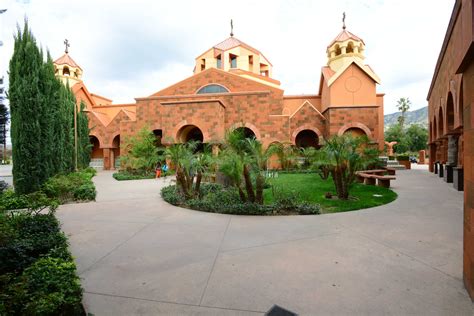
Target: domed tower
{"x":237,"y":57}
{"x":344,"y":49}
{"x":67,"y":69}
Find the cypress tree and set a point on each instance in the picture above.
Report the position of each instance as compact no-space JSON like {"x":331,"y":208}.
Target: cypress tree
{"x":84,"y":145}
{"x":51,"y":132}
{"x":68,"y":102}
{"x":30,"y":165}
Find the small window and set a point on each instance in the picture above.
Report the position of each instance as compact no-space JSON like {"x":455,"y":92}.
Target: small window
{"x":65,"y":71}
{"x":219,"y":62}
{"x":203,"y":64}
{"x":212,"y":88}
{"x":233,"y":61}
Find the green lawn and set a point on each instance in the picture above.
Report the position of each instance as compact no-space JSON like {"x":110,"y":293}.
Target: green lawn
{"x":311,"y":188}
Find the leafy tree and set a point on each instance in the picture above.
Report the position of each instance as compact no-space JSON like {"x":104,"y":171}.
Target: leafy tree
{"x":141,"y":154}
{"x":397,"y":134}
{"x":342,"y":156}
{"x":417,"y":137}
{"x":28,"y":115}
{"x":403,"y":105}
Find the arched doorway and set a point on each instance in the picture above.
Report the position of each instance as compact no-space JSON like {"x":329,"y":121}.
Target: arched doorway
{"x":307,"y":138}
{"x":440,"y":122}
{"x":159,"y":137}
{"x":190,"y":132}
{"x":247,"y":132}
{"x":450,"y":112}
{"x":434,"y":129}
{"x":355,"y":132}
{"x":97,"y":153}
{"x":116,"y":151}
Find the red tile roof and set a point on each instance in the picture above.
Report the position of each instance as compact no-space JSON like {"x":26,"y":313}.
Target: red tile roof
{"x":66,"y":60}
{"x":344,"y":36}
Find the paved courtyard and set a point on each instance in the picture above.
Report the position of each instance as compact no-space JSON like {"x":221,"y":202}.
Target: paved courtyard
{"x":138,"y":255}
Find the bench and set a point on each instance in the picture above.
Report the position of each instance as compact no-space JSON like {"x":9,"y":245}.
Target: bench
{"x":361,"y":178}
{"x":371,"y":179}
{"x":390,"y":171}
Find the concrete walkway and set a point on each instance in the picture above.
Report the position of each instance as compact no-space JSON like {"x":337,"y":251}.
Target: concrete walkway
{"x":138,"y":255}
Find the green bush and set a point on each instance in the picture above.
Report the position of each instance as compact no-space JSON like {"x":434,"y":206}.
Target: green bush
{"x":171,"y":195}
{"x":85,"y":192}
{"x":11,"y":201}
{"x":403,"y":157}
{"x":71,"y":187}
{"x":50,"y":286}
{"x":125,"y":175}
{"x":33,"y":202}
{"x":37,"y":272}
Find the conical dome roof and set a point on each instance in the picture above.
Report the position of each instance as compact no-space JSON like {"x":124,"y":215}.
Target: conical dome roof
{"x":66,"y":60}
{"x":345,"y":35}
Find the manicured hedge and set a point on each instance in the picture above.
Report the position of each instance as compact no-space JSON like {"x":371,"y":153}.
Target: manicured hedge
{"x":217,"y":199}
{"x":403,"y":157}
{"x":138,"y":175}
{"x":37,"y":272}
{"x":124,"y":175}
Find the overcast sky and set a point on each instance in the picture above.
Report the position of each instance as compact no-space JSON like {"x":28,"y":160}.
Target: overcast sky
{"x":131,"y":49}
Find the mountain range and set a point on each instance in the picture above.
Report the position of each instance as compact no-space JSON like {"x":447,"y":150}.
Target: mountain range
{"x":419,"y":116}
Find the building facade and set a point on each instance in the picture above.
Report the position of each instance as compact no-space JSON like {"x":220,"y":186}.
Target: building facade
{"x":451,"y":120}
{"x":232,"y":87}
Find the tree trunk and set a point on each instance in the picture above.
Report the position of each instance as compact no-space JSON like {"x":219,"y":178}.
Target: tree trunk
{"x":260,"y":183}
{"x":248,"y":184}
{"x":197,"y":188}
{"x":339,"y":183}
{"x":243,"y":198}
{"x":181,"y":180}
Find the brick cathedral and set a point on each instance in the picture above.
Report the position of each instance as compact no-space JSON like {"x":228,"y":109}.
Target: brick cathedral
{"x":232,"y":87}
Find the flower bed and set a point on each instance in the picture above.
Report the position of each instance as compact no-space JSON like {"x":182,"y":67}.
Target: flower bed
{"x":217,"y":199}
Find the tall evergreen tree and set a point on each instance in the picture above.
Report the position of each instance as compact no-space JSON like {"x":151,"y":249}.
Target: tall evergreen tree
{"x":68,"y":102}
{"x":84,"y":145}
{"x":30,"y":165}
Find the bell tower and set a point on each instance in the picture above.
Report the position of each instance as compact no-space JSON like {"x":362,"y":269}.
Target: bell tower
{"x":66,"y":69}
{"x":345,"y":48}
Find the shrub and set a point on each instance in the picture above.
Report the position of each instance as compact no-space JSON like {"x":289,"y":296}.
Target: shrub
{"x":30,"y":237}
{"x":171,"y":195}
{"x":71,"y":187}
{"x":11,"y":201}
{"x":85,"y":192}
{"x":37,"y":272}
{"x":402,"y":157}
{"x":126,"y":175}
{"x":50,"y":286}
{"x":217,"y":199}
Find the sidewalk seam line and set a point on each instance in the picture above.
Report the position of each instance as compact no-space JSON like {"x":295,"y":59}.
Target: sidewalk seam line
{"x":215,"y":260}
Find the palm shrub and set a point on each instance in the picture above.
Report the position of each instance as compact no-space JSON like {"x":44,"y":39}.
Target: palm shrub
{"x":190,"y":165}
{"x":341,"y":157}
{"x":141,"y":153}
{"x":244,"y":159}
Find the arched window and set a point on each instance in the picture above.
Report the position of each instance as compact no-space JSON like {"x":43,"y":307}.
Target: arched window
{"x":65,"y":71}
{"x":212,"y":88}
{"x":350,"y":48}
{"x":338,"y":50}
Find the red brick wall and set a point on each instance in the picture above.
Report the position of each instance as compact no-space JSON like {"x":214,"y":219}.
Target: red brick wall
{"x":468,"y":93}
{"x":351,"y":117}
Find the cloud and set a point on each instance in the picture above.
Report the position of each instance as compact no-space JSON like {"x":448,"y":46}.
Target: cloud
{"x":129,"y":49}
